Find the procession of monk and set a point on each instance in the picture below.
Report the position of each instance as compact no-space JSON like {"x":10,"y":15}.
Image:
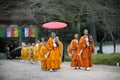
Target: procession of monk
{"x":81,"y":51}
{"x":50,"y":53}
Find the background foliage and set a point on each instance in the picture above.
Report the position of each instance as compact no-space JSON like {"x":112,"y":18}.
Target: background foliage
{"x":101,"y":17}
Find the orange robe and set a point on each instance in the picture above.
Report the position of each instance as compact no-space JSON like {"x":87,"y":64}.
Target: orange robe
{"x":75,"y":59}
{"x":23,"y":53}
{"x":51,"y":64}
{"x":42,"y":57}
{"x":86,"y":52}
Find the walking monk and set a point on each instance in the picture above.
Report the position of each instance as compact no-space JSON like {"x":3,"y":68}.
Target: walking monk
{"x":35,"y":52}
{"x":85,"y":49}
{"x":51,"y":46}
{"x":30,"y":53}
{"x":59,"y":50}
{"x":42,"y":57}
{"x":23,"y":52}
{"x":42,"y":42}
{"x":72,"y":52}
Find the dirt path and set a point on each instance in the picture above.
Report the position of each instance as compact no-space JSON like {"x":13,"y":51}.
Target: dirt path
{"x":16,"y":70}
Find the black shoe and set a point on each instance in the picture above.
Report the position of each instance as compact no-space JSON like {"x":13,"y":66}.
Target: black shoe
{"x":80,"y":68}
{"x":54,"y":70}
{"x":75,"y":68}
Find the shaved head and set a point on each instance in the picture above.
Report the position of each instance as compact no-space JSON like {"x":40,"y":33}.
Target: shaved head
{"x":53,"y":34}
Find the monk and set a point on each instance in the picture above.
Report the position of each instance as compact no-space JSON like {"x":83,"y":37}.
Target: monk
{"x":42,"y":42}
{"x":30,"y":53}
{"x":85,"y":49}
{"x":59,"y":51}
{"x":27,"y":51}
{"x":51,"y":46}
{"x":35,"y":52}
{"x":23,"y":53}
{"x":72,"y":52}
{"x":43,"y":58}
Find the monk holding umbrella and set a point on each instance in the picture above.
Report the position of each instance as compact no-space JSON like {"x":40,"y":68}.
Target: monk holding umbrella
{"x":53,"y":46}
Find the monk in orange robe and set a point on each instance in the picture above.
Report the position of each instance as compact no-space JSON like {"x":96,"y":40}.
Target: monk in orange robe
{"x":85,"y":49}
{"x":72,"y":52}
{"x":59,"y":51}
{"x":51,"y":48}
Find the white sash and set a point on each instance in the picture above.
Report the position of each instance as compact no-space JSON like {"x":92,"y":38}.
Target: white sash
{"x":54,"y":44}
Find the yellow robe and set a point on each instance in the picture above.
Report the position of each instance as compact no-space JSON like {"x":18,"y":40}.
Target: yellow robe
{"x":23,"y":53}
{"x":35,"y":53}
{"x":42,"y":57}
{"x":39,"y":47}
{"x":52,"y":55}
{"x":27,"y":52}
{"x":30,"y":53}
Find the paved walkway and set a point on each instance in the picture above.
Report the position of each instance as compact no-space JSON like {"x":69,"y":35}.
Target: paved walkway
{"x":16,"y":70}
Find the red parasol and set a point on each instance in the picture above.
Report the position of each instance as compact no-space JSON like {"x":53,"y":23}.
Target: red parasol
{"x":54,"y":25}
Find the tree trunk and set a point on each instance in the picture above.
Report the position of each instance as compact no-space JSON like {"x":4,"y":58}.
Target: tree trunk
{"x":100,"y":44}
{"x":113,"y":39}
{"x":114,"y":44}
{"x":78,"y":27}
{"x":93,"y":31}
{"x":100,"y":48}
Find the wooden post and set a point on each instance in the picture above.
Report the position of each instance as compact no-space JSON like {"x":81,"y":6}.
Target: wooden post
{"x":20,"y":40}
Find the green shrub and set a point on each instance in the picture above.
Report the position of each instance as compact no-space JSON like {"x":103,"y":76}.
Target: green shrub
{"x":67,"y":58}
{"x":105,"y":59}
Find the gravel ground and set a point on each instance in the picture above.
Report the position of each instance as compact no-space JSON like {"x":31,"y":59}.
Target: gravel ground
{"x":18,"y":70}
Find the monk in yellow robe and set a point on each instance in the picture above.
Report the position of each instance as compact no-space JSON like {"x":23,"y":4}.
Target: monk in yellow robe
{"x":23,"y":53}
{"x":85,"y":49}
{"x":43,"y":58}
{"x":73,"y":53}
{"x":40,"y":45}
{"x":51,"y":46}
{"x":36,"y":52}
{"x":27,"y":51}
{"x":59,"y":51}
{"x":30,"y":53}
